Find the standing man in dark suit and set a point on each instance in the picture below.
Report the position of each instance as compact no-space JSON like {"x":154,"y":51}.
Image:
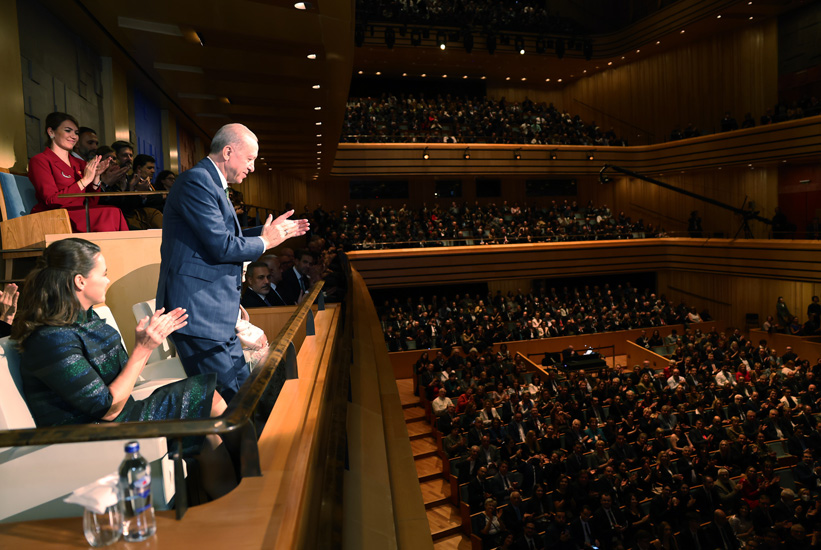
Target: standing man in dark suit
{"x":295,"y":281}
{"x":202,"y":253}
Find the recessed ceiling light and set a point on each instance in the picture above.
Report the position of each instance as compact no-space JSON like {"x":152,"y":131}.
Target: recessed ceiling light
{"x":317,"y":108}
{"x":444,"y":76}
{"x":361,"y":72}
{"x":718,"y":16}
{"x":378,"y":73}
{"x":658,"y":42}
{"x":584,"y":71}
{"x":751,"y":18}
{"x":465,"y":76}
{"x":315,"y":86}
{"x":638,"y":51}
{"x":682,"y":31}
{"x":609,"y":63}
{"x":424,"y":75}
{"x":484,"y":78}
{"x":319,"y":135}
{"x":319,"y":145}
{"x":404,"y":74}
{"x":522,"y":51}
{"x":270,"y":168}
{"x":303,"y":5}
{"x":507,"y":78}
{"x":523,"y":79}
{"x":442,"y":46}
{"x":311,"y":56}
{"x":319,"y":124}
{"x":559,"y":80}
{"x":547,"y":80}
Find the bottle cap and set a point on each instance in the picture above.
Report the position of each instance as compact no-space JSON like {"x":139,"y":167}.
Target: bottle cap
{"x":132,"y":447}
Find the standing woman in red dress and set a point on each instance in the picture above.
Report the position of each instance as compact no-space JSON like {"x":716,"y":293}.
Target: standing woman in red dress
{"x":56,"y":171}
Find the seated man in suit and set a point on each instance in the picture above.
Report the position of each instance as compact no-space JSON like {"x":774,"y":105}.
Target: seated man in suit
{"x":259,"y":288}
{"x":295,"y":281}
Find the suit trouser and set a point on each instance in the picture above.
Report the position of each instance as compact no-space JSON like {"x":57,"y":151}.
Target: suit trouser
{"x":225,"y":359}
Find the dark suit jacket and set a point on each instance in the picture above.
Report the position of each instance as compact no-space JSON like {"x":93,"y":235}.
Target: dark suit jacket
{"x":202,"y":251}
{"x":289,"y":287}
{"x":252,"y":299}
{"x":715,"y":540}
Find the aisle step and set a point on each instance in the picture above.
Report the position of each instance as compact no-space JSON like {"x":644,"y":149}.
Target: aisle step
{"x":435,"y":492}
{"x":423,"y":446}
{"x":418,"y":430}
{"x":444,"y":520}
{"x":429,"y":467}
{"x":414,"y":413}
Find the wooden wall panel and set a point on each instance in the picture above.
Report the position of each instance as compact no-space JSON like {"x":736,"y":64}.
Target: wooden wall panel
{"x":732,"y":297}
{"x":671,"y":210}
{"x":520,"y":93}
{"x":274,"y":189}
{"x":695,"y":83}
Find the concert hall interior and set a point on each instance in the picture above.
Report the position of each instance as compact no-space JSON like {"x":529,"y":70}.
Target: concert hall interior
{"x":589,"y":227}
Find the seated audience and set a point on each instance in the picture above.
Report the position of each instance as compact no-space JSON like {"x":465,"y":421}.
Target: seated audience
{"x":55,"y":172}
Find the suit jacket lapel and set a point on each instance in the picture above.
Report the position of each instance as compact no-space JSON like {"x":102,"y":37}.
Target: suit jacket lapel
{"x":209,"y":166}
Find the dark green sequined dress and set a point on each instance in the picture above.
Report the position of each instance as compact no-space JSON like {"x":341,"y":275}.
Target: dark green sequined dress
{"x":66,"y":372}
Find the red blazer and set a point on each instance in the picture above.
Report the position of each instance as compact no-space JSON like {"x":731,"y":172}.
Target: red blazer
{"x":51,"y":177}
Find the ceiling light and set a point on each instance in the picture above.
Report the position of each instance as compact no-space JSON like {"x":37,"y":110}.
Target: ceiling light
{"x":638,"y":51}
{"x":751,"y":18}
{"x":465,"y":76}
{"x":507,"y":78}
{"x":317,"y":108}
{"x":319,"y":124}
{"x":522,"y":51}
{"x":404,"y":74}
{"x":590,"y":155}
{"x":609,"y":63}
{"x":361,"y":72}
{"x":523,"y":79}
{"x":378,"y":73}
{"x":442,"y":46}
{"x":270,"y":168}
{"x":682,"y":31}
{"x":444,"y":76}
{"x":718,"y":16}
{"x":547,"y":80}
{"x":658,"y":42}
{"x":303,"y":5}
{"x":315,"y":86}
{"x":584,"y":71}
{"x":484,"y":78}
{"x":442,"y":39}
{"x":319,"y":135}
{"x":424,"y":75}
{"x":311,"y":56}
{"x":559,"y":80}
{"x":319,"y":145}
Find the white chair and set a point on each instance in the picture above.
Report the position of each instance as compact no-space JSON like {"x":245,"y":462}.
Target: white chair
{"x":161,"y":365}
{"x":35,"y":479}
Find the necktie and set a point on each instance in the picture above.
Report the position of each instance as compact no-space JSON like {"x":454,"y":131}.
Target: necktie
{"x":613,"y":522}
{"x":302,"y":284}
{"x":532,"y":545}
{"x":586,"y":530}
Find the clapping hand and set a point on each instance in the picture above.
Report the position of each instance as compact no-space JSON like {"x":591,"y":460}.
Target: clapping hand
{"x":277,"y":231}
{"x":152,"y":331}
{"x":90,"y":171}
{"x":8,"y":303}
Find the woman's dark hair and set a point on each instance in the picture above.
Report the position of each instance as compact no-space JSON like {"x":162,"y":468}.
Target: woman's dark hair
{"x":54,"y":120}
{"x":104,"y":150}
{"x":49,"y":296}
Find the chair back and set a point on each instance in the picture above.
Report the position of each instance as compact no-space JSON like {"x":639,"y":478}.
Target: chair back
{"x":18,"y":197}
{"x":106,"y":315}
{"x":14,"y":412}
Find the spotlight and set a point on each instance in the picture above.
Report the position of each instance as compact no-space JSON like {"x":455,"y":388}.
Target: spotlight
{"x":415,"y":37}
{"x":390,"y":37}
{"x":442,"y":40}
{"x":468,"y":42}
{"x":590,"y":155}
{"x":553,"y":155}
{"x":517,"y":154}
{"x":490,"y":42}
{"x":425,"y":154}
{"x":519,"y":45}
{"x":466,"y":154}
{"x":560,"y":48}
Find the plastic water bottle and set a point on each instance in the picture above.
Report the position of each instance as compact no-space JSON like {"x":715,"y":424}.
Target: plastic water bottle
{"x":135,"y":495}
